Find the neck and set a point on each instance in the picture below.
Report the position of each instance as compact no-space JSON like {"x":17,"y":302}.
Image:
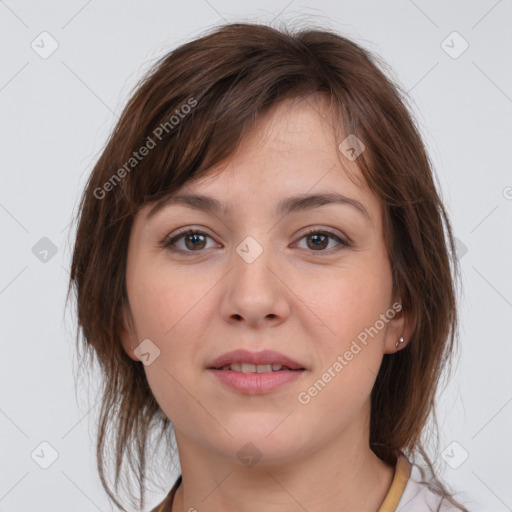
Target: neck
{"x":343,"y":475}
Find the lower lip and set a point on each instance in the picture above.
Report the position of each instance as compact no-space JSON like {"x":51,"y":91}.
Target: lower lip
{"x":256,"y":383}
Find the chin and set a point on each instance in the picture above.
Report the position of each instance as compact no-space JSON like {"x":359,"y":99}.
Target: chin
{"x":261,"y":443}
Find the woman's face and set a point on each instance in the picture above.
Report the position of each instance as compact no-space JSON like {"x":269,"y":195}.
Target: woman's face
{"x":251,"y":278}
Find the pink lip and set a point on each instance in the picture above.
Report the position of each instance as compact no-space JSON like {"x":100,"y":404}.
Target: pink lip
{"x":256,"y":383}
{"x":263,"y":357}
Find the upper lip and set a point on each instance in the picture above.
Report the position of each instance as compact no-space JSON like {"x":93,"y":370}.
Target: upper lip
{"x":264,"y":357}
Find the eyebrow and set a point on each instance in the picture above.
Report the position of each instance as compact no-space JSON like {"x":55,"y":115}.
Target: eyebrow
{"x":284,"y":207}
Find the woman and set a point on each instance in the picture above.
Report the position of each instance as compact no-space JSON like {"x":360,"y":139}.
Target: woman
{"x":261,"y":270}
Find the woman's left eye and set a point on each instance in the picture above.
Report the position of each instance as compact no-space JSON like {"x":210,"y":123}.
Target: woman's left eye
{"x":195,"y":241}
{"x":320,"y":239}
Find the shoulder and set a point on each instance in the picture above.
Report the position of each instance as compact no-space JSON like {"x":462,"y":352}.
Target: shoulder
{"x":418,"y":497}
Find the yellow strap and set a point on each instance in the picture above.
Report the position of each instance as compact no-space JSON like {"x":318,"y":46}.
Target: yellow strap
{"x":402,"y":474}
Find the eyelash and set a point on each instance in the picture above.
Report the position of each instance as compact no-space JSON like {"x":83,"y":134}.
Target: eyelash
{"x":168,"y":243}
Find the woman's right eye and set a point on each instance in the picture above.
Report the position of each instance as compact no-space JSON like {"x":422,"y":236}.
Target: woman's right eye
{"x":193,"y":239}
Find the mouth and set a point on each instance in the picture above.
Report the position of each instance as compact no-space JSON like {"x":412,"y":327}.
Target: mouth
{"x":255,"y":372}
{"x":256,"y":368}
{"x":255,"y":383}
{"x":245,"y":361}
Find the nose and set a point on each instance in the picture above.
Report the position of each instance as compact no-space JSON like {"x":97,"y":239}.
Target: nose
{"x":255,"y":290}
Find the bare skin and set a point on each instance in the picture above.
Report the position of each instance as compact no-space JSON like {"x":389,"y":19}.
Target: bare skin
{"x":306,"y":302}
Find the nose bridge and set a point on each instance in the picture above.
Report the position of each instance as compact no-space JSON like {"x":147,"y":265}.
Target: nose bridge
{"x":256,"y":230}
{"x":254,"y":291}
{"x":253,"y":256}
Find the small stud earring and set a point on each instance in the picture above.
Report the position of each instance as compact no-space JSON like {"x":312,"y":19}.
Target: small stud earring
{"x":399,"y":342}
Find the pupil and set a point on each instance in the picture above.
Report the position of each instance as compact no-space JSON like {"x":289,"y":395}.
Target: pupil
{"x":313,"y":237}
{"x":195,"y":237}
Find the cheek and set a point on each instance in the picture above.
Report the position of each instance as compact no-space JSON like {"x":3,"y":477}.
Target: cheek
{"x":163,"y":298}
{"x":351,"y":343}
{"x":349,"y":299}
{"x":165,"y":306}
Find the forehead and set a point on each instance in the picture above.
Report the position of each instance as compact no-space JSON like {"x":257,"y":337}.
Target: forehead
{"x":296,"y":141}
{"x":292,"y":150}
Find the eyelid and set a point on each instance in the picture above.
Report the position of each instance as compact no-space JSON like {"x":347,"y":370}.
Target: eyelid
{"x":335,"y":233}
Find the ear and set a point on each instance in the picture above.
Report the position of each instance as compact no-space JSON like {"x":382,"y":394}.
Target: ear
{"x":128,"y":334}
{"x":402,"y":324}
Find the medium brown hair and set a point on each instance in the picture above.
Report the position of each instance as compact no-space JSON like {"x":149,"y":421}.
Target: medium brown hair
{"x":228,"y":78}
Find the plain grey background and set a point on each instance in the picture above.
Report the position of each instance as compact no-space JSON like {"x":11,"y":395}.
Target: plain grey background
{"x":66,"y":72}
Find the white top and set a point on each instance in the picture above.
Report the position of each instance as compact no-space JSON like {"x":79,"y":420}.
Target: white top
{"x":417,"y":497}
